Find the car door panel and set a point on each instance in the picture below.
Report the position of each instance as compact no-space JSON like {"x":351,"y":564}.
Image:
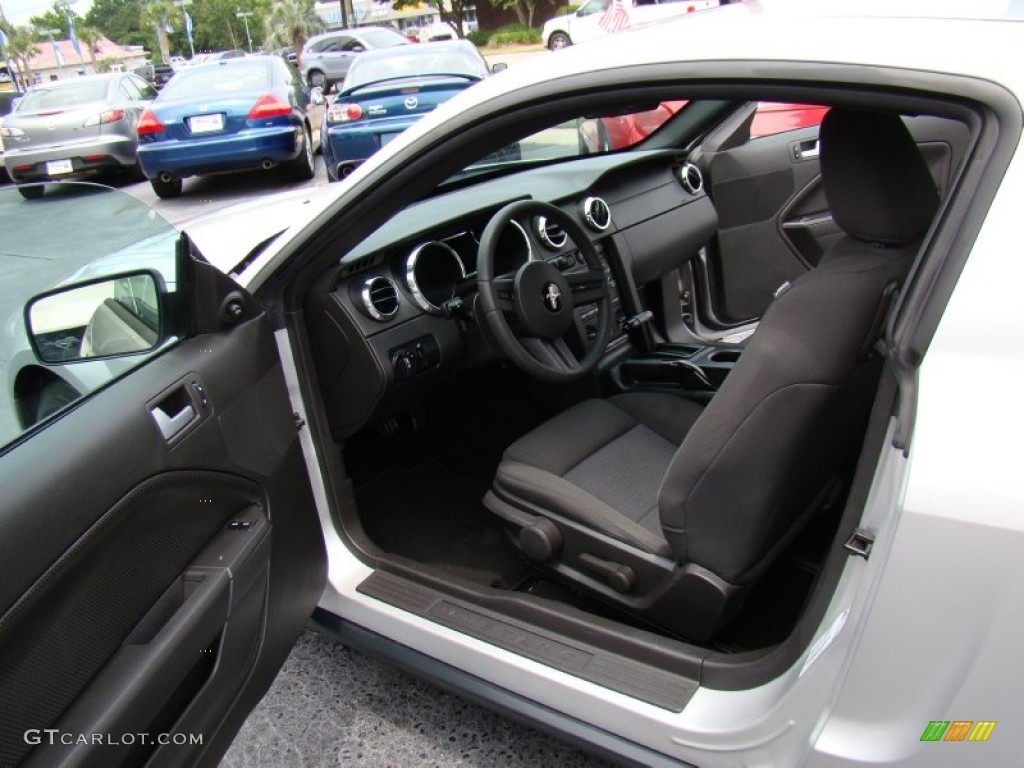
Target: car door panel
{"x":751,"y":185}
{"x":774,"y":219}
{"x":141,"y":593}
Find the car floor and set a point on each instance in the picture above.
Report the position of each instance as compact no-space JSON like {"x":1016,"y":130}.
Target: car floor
{"x":333,"y":706}
{"x":419,"y":483}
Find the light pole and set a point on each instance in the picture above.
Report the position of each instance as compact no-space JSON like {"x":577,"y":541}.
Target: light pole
{"x":57,"y":55}
{"x":188,"y":24}
{"x":244,"y":16}
{"x":65,"y":5}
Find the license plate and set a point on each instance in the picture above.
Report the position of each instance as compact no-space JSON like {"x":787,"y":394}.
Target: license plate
{"x":206,"y":123}
{"x":57,"y":167}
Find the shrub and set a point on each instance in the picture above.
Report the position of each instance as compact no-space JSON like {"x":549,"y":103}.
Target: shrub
{"x":570,"y":8}
{"x":479,"y":37}
{"x":514,"y":34}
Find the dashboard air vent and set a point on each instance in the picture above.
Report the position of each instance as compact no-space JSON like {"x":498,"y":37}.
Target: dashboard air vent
{"x":597,"y":214}
{"x":380,"y":298}
{"x":551,"y":233}
{"x":691,"y":179}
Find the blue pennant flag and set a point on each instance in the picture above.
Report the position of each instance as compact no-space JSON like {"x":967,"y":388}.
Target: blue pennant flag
{"x":73,"y":38}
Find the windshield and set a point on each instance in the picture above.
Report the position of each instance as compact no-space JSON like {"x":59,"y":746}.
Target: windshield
{"x":586,"y":135}
{"x":210,"y":79}
{"x":72,"y":232}
{"x":382,"y":38}
{"x":68,"y":94}
{"x":417,"y":62}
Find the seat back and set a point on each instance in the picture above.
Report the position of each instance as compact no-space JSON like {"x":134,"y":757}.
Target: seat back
{"x":794,"y":406}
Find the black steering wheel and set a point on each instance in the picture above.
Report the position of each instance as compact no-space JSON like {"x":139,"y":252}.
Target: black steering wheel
{"x":542,"y":298}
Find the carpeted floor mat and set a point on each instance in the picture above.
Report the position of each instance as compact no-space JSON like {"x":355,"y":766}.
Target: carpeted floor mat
{"x":435,"y":516}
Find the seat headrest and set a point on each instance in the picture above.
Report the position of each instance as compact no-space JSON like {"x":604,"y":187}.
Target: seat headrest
{"x":876,"y":182}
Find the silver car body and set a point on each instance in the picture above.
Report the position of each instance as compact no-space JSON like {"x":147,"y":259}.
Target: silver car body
{"x":71,"y":128}
{"x":327,"y":57}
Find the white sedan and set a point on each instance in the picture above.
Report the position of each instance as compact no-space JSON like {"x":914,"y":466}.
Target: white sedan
{"x":666,"y":448}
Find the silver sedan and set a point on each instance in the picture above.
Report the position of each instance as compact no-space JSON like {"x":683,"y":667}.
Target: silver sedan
{"x":76,"y":127}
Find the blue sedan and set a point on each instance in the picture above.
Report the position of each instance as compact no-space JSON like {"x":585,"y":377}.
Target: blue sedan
{"x":387,"y":90}
{"x":231,"y":115}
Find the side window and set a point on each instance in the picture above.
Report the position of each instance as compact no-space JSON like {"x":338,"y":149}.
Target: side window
{"x":146,"y":91}
{"x":94,"y":311}
{"x":773,"y":118}
{"x":594,"y":6}
{"x":288,"y":74}
{"x":129,"y":89}
{"x":321,"y":45}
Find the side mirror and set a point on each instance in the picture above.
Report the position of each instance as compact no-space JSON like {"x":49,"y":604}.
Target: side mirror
{"x":316,"y":96}
{"x":106,"y":317}
{"x":501,"y":66}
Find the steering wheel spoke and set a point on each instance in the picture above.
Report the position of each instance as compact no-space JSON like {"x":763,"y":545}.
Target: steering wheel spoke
{"x":587,"y":287}
{"x":505,"y":293}
{"x":553,"y":352}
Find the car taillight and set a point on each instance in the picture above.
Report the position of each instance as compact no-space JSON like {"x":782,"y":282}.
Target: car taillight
{"x":344,"y":113}
{"x":110,"y":116}
{"x":269,"y":106}
{"x":149,"y":123}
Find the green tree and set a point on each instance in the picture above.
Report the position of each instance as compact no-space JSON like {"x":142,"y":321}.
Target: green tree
{"x":120,"y":21}
{"x":158,"y":15}
{"x":21,"y":46}
{"x":88,"y":38}
{"x":452,"y":12}
{"x":55,"y":19}
{"x":524,"y":9}
{"x":292,"y":22}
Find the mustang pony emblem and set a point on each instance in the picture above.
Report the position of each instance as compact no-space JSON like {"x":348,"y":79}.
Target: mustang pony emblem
{"x":552,"y":297}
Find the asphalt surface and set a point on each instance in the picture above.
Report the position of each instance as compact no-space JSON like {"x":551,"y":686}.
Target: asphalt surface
{"x":332,"y":706}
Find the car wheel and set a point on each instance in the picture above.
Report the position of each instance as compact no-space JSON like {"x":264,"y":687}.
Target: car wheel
{"x":54,"y":395}
{"x":317,"y":79}
{"x":559,"y":40}
{"x":32,"y":191}
{"x":166,"y":189}
{"x":304,"y":166}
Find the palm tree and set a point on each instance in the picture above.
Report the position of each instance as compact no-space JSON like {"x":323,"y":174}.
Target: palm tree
{"x":156,"y":14}
{"x":21,"y":46}
{"x":292,"y":22}
{"x":89,"y":37}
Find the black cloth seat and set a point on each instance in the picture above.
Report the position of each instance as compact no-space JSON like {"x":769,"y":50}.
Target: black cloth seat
{"x":672,"y":510}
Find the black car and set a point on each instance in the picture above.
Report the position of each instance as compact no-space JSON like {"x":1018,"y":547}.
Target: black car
{"x":156,"y":75}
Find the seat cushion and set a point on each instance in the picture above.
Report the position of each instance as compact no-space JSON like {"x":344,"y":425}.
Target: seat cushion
{"x":602,"y":462}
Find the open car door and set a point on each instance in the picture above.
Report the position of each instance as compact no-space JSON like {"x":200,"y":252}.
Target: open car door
{"x":160,"y":543}
{"x":761,"y":170}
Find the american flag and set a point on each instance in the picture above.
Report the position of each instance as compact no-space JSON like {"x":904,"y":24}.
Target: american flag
{"x":615,"y":18}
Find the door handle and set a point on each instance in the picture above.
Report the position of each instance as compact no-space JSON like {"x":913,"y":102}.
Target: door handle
{"x":173,"y":413}
{"x":169,"y":426}
{"x":806,"y":150}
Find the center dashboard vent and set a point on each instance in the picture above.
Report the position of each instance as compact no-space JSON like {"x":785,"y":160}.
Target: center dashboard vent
{"x":551,"y":233}
{"x":691,"y":179}
{"x":597,"y":214}
{"x":380,"y":298}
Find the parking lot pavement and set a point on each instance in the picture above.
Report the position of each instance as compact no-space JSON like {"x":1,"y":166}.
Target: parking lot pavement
{"x":332,"y":706}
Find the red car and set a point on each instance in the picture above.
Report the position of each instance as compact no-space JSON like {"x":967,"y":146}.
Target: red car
{"x":621,"y":131}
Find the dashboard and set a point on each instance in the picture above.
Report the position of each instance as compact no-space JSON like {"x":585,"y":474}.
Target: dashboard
{"x":396,"y":317}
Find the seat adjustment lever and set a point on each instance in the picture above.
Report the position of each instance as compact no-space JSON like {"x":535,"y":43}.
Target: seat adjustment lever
{"x":620,"y":577}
